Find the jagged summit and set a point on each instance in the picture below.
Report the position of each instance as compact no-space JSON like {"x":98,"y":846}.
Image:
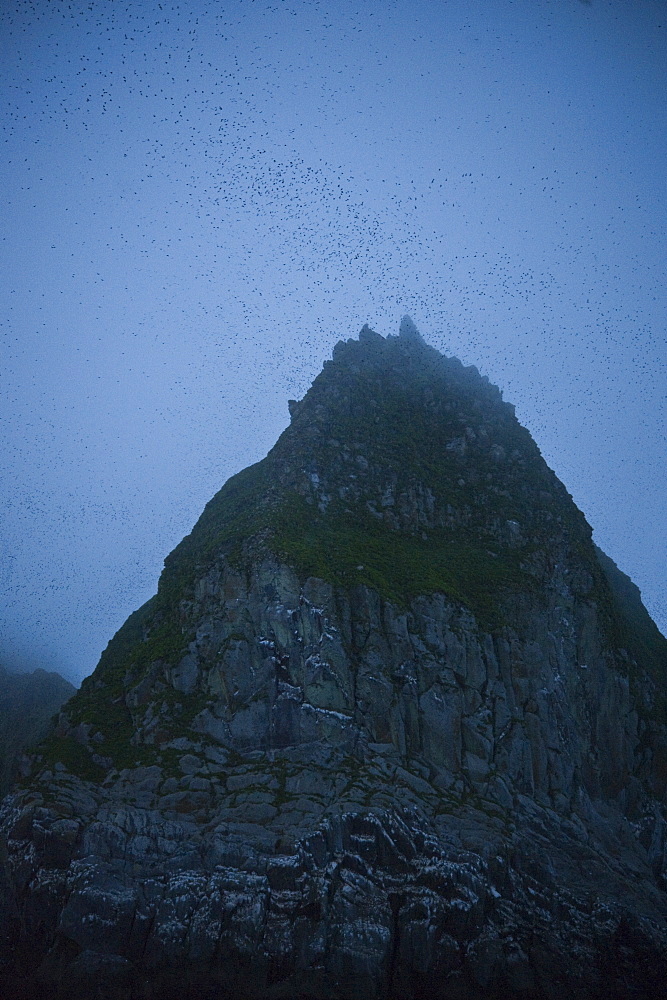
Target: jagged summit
{"x":408,"y":330}
{"x":390,"y":727}
{"x":394,"y":447}
{"x":408,"y":347}
{"x":402,"y":471}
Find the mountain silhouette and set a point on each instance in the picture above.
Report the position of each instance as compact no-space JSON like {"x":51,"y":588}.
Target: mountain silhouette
{"x":392,"y":726}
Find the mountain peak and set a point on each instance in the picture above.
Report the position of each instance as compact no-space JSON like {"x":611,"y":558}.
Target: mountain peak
{"x":408,"y":330}
{"x":386,"y":674}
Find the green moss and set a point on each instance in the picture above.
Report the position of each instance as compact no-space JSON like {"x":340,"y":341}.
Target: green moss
{"x":352,"y":548}
{"x":151,"y":633}
{"x":235,"y":513}
{"x":75,"y":757}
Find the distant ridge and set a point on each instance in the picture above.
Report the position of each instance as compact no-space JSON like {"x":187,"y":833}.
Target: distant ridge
{"x":28,"y":701}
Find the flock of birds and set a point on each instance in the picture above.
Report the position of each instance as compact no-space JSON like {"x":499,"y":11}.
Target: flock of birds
{"x":203,"y":198}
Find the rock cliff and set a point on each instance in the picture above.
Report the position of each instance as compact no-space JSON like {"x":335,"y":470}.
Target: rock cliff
{"x":392,"y":726}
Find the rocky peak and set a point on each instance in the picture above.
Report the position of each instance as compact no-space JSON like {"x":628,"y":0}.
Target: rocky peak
{"x":390,"y":726}
{"x":408,"y":330}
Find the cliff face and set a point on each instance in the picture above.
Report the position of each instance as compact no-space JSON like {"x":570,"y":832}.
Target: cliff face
{"x":391,"y":726}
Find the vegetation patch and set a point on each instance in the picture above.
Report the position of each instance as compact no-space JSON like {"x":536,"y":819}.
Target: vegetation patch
{"x":74,"y":756}
{"x":351,"y":548}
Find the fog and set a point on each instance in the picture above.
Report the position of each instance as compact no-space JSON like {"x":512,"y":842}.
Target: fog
{"x":200,"y":199}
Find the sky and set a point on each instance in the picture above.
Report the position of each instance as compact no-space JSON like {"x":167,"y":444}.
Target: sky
{"x":199,"y":199}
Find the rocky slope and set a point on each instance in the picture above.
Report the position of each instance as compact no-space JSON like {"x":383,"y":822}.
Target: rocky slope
{"x":390,"y":727}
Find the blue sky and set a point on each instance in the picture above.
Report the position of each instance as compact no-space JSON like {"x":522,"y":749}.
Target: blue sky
{"x":199,"y":200}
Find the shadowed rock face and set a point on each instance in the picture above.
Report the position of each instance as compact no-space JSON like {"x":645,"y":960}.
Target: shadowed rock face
{"x":391,"y":727}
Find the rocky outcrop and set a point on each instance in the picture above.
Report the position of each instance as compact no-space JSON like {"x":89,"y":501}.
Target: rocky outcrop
{"x":376,"y":735}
